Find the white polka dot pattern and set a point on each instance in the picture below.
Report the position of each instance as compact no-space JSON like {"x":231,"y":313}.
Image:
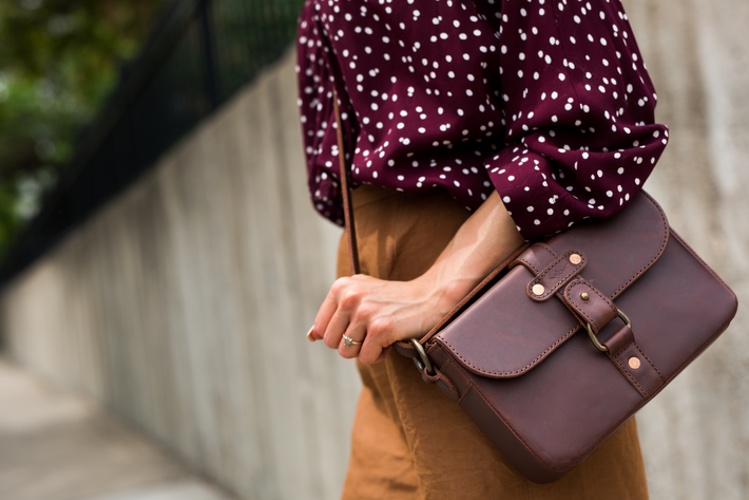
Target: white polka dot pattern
{"x":547,"y":102}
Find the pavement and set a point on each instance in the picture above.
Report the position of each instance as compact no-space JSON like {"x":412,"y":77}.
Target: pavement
{"x":57,"y":446}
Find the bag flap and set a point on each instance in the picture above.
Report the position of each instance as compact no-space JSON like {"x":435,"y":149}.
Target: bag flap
{"x":505,"y":333}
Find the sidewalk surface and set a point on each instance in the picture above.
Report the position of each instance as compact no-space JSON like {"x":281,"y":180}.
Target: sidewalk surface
{"x":54,"y":446}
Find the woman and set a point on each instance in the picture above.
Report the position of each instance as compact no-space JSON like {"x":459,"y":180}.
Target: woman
{"x":471,"y":127}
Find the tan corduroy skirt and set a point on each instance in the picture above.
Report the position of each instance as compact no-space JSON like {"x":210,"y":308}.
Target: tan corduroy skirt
{"x":409,"y":440}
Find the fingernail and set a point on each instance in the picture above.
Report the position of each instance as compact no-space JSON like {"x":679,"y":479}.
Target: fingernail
{"x":309,"y":334}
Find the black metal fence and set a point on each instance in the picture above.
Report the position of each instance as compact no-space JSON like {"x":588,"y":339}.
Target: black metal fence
{"x":199,"y":55}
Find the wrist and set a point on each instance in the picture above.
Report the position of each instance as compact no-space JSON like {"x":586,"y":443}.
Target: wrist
{"x":442,"y":291}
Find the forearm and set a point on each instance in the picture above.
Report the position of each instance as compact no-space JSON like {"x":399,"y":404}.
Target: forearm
{"x":375,"y":313}
{"x":480,"y":245}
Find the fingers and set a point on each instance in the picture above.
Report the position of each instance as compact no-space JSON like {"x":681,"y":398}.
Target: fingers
{"x":352,"y":341}
{"x":348,"y":323}
{"x":312,"y":335}
{"x":324,"y":314}
{"x":336,"y":328}
{"x":333,"y":316}
{"x":377,"y":340}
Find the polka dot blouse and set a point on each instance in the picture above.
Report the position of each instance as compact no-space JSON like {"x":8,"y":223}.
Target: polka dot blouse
{"x":547,"y":102}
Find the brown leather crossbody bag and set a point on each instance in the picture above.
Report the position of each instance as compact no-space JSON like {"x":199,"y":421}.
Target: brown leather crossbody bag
{"x":568,"y":338}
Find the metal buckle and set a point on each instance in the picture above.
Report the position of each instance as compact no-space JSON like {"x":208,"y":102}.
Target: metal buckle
{"x":424,"y":363}
{"x":595,"y":340}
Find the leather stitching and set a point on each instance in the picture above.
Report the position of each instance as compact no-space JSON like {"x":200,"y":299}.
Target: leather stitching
{"x":562,"y":339}
{"x":531,"y":267}
{"x":476,"y":369}
{"x":657,"y":255}
{"x":651,"y":363}
{"x":637,"y":347}
{"x":575,"y":269}
{"x":405,"y":347}
{"x":627,"y":372}
{"x":527,"y":264}
{"x":440,"y":375}
{"x":579,"y":307}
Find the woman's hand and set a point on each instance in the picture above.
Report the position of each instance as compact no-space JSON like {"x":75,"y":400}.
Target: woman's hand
{"x":377,"y":313}
{"x":362,"y":316}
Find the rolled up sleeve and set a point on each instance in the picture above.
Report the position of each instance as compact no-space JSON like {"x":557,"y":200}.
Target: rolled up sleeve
{"x":578,"y":114}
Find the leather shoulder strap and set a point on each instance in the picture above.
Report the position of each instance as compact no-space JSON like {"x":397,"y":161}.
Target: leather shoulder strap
{"x":348,"y":207}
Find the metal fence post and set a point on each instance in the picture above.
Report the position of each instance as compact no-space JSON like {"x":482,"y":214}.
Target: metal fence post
{"x":209,"y":46}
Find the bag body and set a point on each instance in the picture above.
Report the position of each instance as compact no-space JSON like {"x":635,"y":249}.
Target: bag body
{"x":553,"y":353}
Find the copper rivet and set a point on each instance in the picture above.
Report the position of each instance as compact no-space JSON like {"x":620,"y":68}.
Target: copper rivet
{"x":575,"y":259}
{"x":538,"y":289}
{"x":634,"y":363}
{"x":585,"y":296}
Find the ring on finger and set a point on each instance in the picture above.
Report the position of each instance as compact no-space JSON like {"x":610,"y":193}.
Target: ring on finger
{"x":348,"y":341}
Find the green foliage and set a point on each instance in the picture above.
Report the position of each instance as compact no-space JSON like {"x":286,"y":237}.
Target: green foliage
{"x":58,"y":60}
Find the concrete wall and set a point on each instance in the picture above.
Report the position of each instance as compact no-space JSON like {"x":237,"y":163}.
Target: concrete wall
{"x":182,"y":306}
{"x":696,"y":434}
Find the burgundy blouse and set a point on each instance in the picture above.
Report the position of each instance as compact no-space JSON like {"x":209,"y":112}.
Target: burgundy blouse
{"x":546,"y":101}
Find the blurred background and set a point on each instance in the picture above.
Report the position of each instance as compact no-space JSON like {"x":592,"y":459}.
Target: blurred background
{"x":160,"y":261}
